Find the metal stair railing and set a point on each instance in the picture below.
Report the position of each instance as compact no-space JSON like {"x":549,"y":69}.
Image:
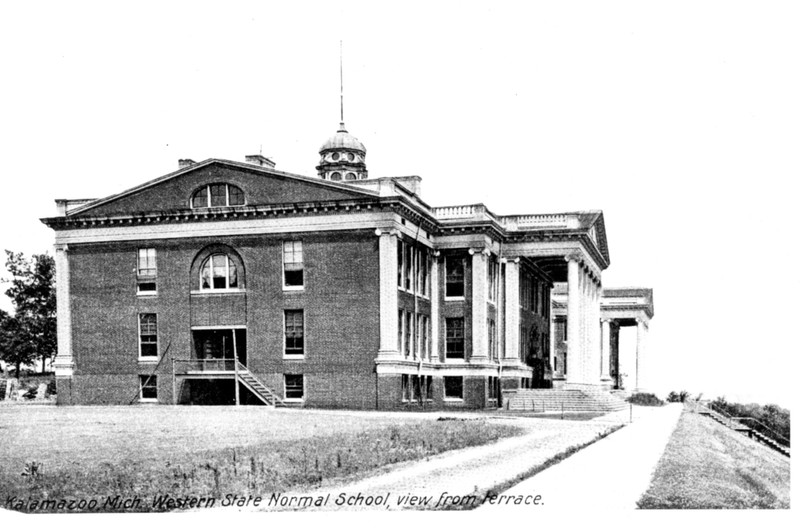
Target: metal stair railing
{"x":783,"y":440}
{"x":261,"y":390}
{"x":731,"y":420}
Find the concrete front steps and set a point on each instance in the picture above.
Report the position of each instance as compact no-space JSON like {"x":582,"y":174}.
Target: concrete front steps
{"x":540,"y":400}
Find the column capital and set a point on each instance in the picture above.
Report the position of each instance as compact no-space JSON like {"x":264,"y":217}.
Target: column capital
{"x":607,"y":320}
{"x":61,"y":247}
{"x":482,"y":251}
{"x":574,"y":256}
{"x":387,"y":231}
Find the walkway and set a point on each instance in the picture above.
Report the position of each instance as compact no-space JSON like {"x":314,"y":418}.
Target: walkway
{"x":446,"y":479}
{"x":610,"y":474}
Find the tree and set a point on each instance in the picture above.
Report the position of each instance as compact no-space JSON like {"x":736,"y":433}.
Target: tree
{"x":16,"y":345}
{"x":32,"y":292}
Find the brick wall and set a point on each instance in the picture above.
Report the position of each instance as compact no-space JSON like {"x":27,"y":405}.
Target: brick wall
{"x":340,"y":304}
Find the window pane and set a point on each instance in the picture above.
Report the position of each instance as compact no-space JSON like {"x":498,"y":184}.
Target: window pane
{"x":233,"y":276}
{"x":235,"y":196}
{"x":205,"y":275}
{"x":218,"y":197}
{"x":219,"y":264}
{"x":200,"y":198}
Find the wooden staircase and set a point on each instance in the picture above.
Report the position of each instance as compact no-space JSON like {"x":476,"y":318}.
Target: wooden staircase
{"x":734,"y":423}
{"x":556,"y":400}
{"x":258,"y":388}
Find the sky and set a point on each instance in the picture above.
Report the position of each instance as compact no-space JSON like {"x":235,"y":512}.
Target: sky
{"x":680,"y":120}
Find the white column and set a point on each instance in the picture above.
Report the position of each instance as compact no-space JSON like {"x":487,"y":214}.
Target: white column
{"x":574,"y":337}
{"x":641,"y":354}
{"x":605,"y":362}
{"x":479,"y":337}
{"x":435,"y":316}
{"x":63,"y":364}
{"x":512,"y":311}
{"x":387,"y":251}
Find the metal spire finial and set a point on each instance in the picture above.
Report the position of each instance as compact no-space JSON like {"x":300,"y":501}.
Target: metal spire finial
{"x":341,"y":89}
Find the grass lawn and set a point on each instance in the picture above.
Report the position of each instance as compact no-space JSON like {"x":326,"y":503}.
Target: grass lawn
{"x":141,"y":451}
{"x":708,"y":466}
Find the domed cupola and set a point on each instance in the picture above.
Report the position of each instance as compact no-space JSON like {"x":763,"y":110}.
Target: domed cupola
{"x":342,"y":157}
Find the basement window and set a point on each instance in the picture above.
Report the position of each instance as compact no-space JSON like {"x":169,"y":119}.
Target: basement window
{"x":454,"y":388}
{"x":293,"y":387}
{"x":148,"y":388}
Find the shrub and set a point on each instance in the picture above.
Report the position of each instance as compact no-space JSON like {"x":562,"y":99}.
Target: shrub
{"x":682,"y":396}
{"x":645,"y":399}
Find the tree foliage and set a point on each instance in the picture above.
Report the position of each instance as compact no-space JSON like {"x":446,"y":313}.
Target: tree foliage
{"x":772,"y":416}
{"x":681,"y":396}
{"x":31,"y":332}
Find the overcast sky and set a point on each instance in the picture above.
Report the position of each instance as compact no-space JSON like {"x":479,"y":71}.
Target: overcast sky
{"x":680,"y":120}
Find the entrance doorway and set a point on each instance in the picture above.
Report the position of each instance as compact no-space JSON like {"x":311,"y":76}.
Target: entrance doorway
{"x":213,"y":344}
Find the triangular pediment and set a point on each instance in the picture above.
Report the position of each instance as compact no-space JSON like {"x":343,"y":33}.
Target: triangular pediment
{"x":260,"y":186}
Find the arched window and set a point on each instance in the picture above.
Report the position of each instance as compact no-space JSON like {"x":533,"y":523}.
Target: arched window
{"x":336,"y":176}
{"x":217,"y":195}
{"x":218,"y":272}
{"x":350,"y":176}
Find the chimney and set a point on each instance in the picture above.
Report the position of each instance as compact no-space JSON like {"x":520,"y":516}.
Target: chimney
{"x":185,"y":162}
{"x":259,"y":160}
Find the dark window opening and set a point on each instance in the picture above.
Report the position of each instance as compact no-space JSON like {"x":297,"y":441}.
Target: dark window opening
{"x":454,"y":387}
{"x":454,"y":277}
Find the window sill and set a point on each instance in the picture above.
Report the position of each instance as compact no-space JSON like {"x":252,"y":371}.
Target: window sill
{"x":454,"y":298}
{"x":149,"y":401}
{"x":294,"y":289}
{"x":293,"y":357}
{"x":147,"y":293}
{"x":287,"y":399}
{"x":148,"y":359}
{"x":455,"y":360}
{"x":454,"y":399}
{"x":217,"y":291}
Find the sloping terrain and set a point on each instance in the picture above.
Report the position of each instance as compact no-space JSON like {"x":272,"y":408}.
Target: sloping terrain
{"x":708,"y":466}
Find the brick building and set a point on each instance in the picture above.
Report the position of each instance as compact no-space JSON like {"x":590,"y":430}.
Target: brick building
{"x":228,"y":282}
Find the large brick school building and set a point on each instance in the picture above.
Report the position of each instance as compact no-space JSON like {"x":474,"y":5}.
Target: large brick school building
{"x":233,"y":282}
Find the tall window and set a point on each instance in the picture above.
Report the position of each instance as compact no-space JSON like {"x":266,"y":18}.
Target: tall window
{"x":294,"y":332}
{"x":492,"y":272}
{"x":409,"y":340}
{"x":401,"y":252}
{"x":218,"y":272}
{"x":217,"y":195}
{"x":455,"y":337}
{"x":146,"y":270}
{"x":401,"y":323}
{"x":490,"y":328}
{"x":293,"y":387}
{"x":148,"y":336}
{"x":148,"y":388}
{"x":454,"y":277}
{"x":422,"y":332}
{"x":293,"y":264}
{"x":408,"y":263}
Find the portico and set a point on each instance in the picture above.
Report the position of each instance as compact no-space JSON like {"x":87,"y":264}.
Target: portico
{"x":626,"y":307}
